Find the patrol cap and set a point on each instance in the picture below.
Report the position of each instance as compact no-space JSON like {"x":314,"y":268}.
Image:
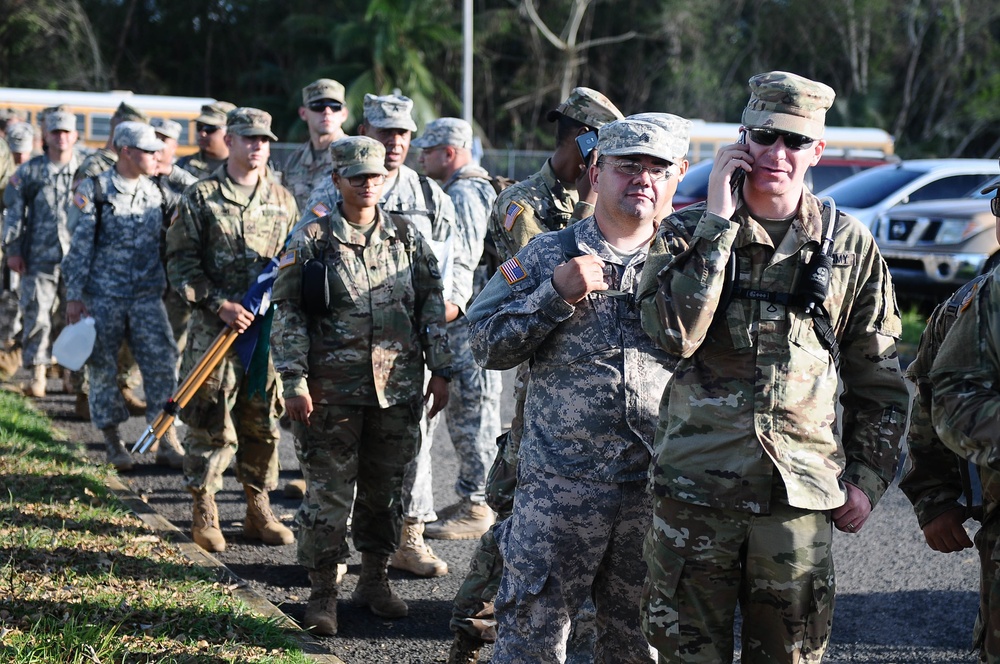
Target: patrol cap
{"x":664,"y":136}
{"x":389,"y":112}
{"x":128,"y":113}
{"x":587,"y":106}
{"x":167,"y":128}
{"x":245,"y":121}
{"x":21,"y":137}
{"x":324,"y":88}
{"x":138,"y":135}
{"x":215,"y":113}
{"x":788,"y":102}
{"x":358,"y":155}
{"x":60,"y":121}
{"x":445,"y":131}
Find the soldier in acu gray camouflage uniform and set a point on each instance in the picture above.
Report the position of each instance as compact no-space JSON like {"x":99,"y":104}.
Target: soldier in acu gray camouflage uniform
{"x":566,"y":304}
{"x":752,"y":467}
{"x":310,"y":166}
{"x":353,"y":375}
{"x":114,"y":273}
{"x":106,"y":157}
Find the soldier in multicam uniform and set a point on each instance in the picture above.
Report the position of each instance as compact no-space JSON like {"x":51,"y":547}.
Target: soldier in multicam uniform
{"x":545,"y":201}
{"x":474,"y":407}
{"x":213,"y":149}
{"x":751,"y":469}
{"x":353,"y":375}
{"x":228,"y":227}
{"x":324,"y":112}
{"x":965,"y":409}
{"x":113,"y":272}
{"x":566,"y":304}
{"x":36,"y":237}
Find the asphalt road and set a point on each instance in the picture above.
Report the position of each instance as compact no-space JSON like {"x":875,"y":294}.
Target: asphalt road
{"x":897,"y":601}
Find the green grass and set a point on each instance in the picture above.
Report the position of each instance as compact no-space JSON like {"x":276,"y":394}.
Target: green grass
{"x":82,"y":580}
{"x":914,"y":321}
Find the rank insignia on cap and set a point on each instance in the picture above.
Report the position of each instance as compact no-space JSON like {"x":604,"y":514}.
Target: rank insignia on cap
{"x":514,"y":210}
{"x":512,"y":271}
{"x":320,"y":210}
{"x":287,"y":258}
{"x":80,"y":200}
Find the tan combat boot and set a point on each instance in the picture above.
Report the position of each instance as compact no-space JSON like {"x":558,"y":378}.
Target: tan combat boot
{"x":261,"y":523}
{"x":10,"y":360}
{"x":464,"y":649}
{"x":82,"y":407}
{"x":468,"y":521}
{"x":373,"y":588}
{"x":205,"y":529}
{"x":321,"y":611}
{"x":413,"y":554}
{"x":39,"y":381}
{"x":117,"y":455}
{"x":169,"y":453}
{"x":133,"y":403}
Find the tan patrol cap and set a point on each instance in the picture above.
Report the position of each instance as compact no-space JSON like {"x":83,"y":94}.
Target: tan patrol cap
{"x":358,"y":155}
{"x":587,"y":106}
{"x":245,"y":121}
{"x":60,"y":121}
{"x":128,"y":113}
{"x":788,"y":102}
{"x":215,"y":113}
{"x":445,"y":131}
{"x":324,"y":88}
{"x":389,"y":112}
{"x":167,"y":128}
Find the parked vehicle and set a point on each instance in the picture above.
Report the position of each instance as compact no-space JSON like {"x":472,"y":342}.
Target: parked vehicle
{"x":934,"y":247}
{"x":871,"y":192}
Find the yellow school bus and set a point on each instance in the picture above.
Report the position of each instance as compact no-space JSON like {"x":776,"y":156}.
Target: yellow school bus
{"x":93,"y":110}
{"x":708,"y":137}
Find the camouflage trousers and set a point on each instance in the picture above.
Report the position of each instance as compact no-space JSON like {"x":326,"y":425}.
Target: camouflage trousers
{"x":179,"y":315}
{"x":142,"y":322}
{"x":987,"y":632}
{"x":10,"y":308}
{"x":703,"y":562}
{"x":418,"y":487}
{"x":344,"y":446}
{"x":39,"y":300}
{"x":567,"y":541}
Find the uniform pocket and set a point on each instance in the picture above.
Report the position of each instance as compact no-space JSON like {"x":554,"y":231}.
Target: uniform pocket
{"x":658,"y":608}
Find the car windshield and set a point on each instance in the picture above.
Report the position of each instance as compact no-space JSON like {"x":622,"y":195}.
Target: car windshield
{"x":870,"y":187}
{"x":977,"y":192}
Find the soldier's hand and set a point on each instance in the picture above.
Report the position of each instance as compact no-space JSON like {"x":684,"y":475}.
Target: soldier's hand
{"x":75,"y":310}
{"x":235,"y":316}
{"x":945,"y":533}
{"x":729,"y":161}
{"x":16,"y":263}
{"x":851,"y":516}
{"x":579,"y":276}
{"x":299,"y":408}
{"x":437,"y":394}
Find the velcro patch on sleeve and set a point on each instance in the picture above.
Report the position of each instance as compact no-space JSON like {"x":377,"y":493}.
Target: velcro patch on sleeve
{"x":80,"y":200}
{"x":320,"y":210}
{"x":287,"y":259}
{"x":512,"y":271}
{"x":514,"y":210}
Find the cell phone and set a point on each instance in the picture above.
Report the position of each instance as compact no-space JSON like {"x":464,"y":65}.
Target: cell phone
{"x":737,"y":178}
{"x":586,"y":142}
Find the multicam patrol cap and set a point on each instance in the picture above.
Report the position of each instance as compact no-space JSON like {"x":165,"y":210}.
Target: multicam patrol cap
{"x":587,"y":106}
{"x":60,"y":121}
{"x":389,"y":112}
{"x":21,"y":137}
{"x":323,"y":88}
{"x":167,"y":128}
{"x":358,"y":155}
{"x":215,"y":113}
{"x":664,"y":136}
{"x":788,"y":102}
{"x":445,"y":131}
{"x":127,"y":113}
{"x":138,"y":135}
{"x":245,"y":121}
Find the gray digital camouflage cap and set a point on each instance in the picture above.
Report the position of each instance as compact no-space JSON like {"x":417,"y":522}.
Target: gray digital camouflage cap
{"x":21,"y":137}
{"x":788,"y":102}
{"x":358,"y":155}
{"x":167,"y":128}
{"x":215,"y":113}
{"x":389,"y":112}
{"x":246,"y":121}
{"x":60,"y":121}
{"x":128,"y":113}
{"x":138,"y":135}
{"x":445,"y":131}
{"x":665,"y":136}
{"x":587,"y":106}
{"x":324,"y":88}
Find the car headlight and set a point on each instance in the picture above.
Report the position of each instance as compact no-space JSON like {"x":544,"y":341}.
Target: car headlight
{"x":953,"y":231}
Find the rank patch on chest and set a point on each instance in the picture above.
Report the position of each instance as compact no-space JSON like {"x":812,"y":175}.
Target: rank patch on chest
{"x":80,"y":200}
{"x":512,"y":271}
{"x":320,"y":210}
{"x":514,"y":210}
{"x":287,"y":258}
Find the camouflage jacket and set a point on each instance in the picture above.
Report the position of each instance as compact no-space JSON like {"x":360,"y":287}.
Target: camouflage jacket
{"x":386,"y":317}
{"x":199,"y":165}
{"x":933,"y":480}
{"x":470,"y":190}
{"x":94,"y":164}
{"x":7,"y":169}
{"x":965,"y":404}
{"x":173,"y":184}
{"x":120,"y":257}
{"x":756,"y":390}
{"x":303,"y":172}
{"x":37,"y":201}
{"x":596,"y":378}
{"x":537,"y":204}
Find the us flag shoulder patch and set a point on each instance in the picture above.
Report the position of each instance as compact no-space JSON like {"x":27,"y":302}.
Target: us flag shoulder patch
{"x":320,"y":210}
{"x":512,"y":271}
{"x":514,"y":210}
{"x":287,"y":258}
{"x":80,"y":200}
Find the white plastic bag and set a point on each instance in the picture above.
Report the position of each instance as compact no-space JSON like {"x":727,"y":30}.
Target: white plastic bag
{"x":75,"y":344}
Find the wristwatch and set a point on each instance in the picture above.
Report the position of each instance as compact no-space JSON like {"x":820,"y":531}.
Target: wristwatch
{"x":444,"y":372}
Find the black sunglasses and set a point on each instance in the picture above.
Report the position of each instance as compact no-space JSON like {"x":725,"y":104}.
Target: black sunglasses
{"x":207,"y":128}
{"x":769,"y":136}
{"x":995,"y":204}
{"x":320,"y":106}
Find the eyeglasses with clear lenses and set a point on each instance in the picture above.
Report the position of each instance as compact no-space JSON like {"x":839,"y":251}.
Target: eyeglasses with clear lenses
{"x":633,"y":168}
{"x":207,"y":128}
{"x":323,"y":104}
{"x":362,"y":180}
{"x":769,"y":136}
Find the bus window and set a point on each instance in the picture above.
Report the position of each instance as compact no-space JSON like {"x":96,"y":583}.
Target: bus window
{"x":100,"y":126}
{"x":185,"y":131}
